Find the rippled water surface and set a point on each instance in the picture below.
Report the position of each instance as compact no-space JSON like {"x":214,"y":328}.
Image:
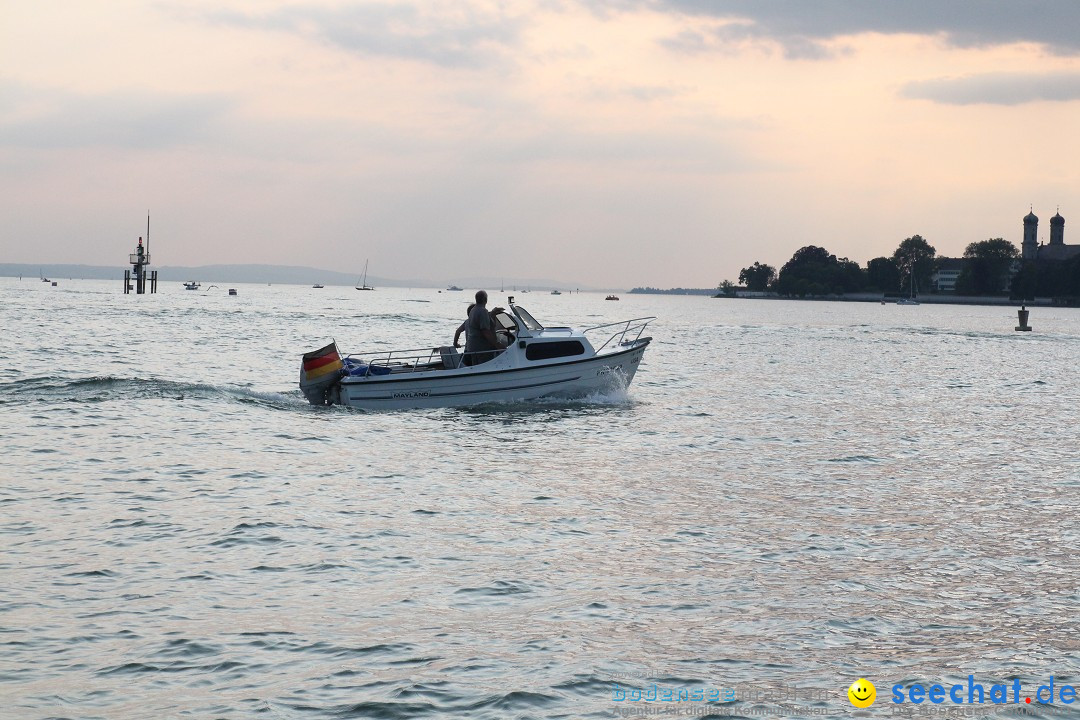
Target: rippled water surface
{"x":789,"y":494}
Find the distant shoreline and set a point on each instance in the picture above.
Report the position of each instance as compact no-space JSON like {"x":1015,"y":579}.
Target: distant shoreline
{"x":277,"y":275}
{"x":671,"y":291}
{"x":923,"y":300}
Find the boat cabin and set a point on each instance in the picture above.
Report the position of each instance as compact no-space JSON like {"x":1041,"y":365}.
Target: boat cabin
{"x":525,"y":343}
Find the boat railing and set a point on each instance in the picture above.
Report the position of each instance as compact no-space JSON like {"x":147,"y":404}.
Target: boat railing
{"x":626,"y":327}
{"x":407,"y":361}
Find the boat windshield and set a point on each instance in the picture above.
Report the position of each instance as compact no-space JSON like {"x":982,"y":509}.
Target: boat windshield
{"x":526,"y":319}
{"x":505,"y":321}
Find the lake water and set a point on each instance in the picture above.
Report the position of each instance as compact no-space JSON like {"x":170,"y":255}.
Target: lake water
{"x":790,"y":494}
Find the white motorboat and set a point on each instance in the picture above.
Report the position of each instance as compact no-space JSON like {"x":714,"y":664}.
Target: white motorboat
{"x":453,"y":288}
{"x":537,"y":362}
{"x":192,"y":285}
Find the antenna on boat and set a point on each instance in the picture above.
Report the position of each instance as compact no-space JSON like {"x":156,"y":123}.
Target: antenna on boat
{"x":147,"y":232}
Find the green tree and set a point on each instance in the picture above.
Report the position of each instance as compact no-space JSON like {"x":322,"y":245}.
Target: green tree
{"x":727,"y":288}
{"x":915,"y":257}
{"x":1056,"y":279}
{"x":757,"y":277}
{"x":987,"y":267}
{"x":1069,"y":282}
{"x":850,"y":276}
{"x":882,"y":274}
{"x":814,"y":270}
{"x":1025,"y":282}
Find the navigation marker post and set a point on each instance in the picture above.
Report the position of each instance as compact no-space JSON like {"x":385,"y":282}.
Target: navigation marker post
{"x":139,"y":260}
{"x":1022,"y":315}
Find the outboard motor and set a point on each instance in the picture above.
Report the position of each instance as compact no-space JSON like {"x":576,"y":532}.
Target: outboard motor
{"x":320,"y":371}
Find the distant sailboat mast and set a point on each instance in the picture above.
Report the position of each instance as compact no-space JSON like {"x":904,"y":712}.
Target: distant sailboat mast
{"x":363,"y":282}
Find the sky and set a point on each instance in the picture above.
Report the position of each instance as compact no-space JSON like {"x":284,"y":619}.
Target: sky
{"x":610,"y":143}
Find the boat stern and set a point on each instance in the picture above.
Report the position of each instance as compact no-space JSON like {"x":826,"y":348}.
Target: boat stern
{"x":320,"y":372}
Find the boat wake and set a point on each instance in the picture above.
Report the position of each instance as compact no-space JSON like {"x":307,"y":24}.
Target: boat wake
{"x":107,"y":388}
{"x":403,"y":318}
{"x":51,"y":390}
{"x":614,"y":392}
{"x":597,"y":400}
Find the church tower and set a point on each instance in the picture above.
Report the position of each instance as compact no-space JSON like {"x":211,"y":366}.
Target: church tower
{"x":1030,"y":248}
{"x":1057,"y":230}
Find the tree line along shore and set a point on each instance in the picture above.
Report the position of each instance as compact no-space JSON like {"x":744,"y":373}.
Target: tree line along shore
{"x":991,"y":269}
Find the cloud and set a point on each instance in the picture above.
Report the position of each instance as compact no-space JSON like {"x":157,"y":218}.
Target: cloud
{"x":44,"y":118}
{"x":458,"y":36}
{"x":997,"y":89}
{"x":614,"y":93}
{"x":806,"y":29}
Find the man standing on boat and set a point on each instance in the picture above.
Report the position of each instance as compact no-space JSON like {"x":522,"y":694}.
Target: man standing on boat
{"x":463,"y":326}
{"x":481,"y":343}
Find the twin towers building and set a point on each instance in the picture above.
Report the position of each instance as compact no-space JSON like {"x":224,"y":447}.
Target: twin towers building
{"x":1056,"y":250}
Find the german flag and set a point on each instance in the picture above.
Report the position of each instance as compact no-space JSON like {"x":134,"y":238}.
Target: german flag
{"x":321,"y":362}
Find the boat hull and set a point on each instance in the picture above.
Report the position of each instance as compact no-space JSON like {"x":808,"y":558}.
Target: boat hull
{"x":477,"y":385}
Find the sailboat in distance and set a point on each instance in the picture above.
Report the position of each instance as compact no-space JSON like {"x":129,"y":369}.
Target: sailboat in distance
{"x":363,"y":281}
{"x":910,"y":300}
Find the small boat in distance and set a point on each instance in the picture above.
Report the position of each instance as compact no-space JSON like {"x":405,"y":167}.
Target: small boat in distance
{"x":533,"y":361}
{"x":363,"y":281}
{"x":612,"y":297}
{"x":317,"y":286}
{"x":556,"y":292}
{"x":454,"y":288}
{"x":192,"y":285}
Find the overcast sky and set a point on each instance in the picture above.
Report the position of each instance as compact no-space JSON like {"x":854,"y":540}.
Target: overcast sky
{"x":611,"y":143}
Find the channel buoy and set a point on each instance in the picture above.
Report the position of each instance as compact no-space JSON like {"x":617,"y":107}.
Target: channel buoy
{"x":1022,"y":314}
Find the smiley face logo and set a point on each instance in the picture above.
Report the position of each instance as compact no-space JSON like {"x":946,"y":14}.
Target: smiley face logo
{"x":862,"y":693}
